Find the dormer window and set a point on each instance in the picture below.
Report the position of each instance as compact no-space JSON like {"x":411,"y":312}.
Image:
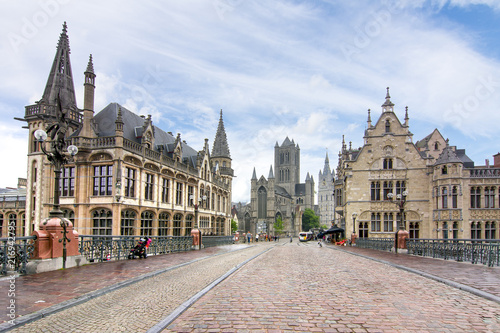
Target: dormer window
{"x":436,"y":146}
{"x":444,"y":170}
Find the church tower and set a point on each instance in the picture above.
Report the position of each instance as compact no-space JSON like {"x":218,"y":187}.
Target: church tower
{"x":287,"y":165}
{"x":326,"y":200}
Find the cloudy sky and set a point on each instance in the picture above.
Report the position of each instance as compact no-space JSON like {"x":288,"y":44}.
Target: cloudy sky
{"x":308,"y":70}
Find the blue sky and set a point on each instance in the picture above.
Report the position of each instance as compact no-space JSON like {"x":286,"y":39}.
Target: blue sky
{"x":308,"y":70}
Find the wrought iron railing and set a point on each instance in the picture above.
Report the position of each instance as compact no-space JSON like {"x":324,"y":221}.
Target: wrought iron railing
{"x":103,"y":248}
{"x":210,"y":241}
{"x":382,"y":244}
{"x":486,"y":251}
{"x":15,"y":253}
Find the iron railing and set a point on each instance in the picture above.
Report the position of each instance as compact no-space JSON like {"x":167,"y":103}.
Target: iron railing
{"x":382,"y":244}
{"x":485,"y":251}
{"x":15,"y":253}
{"x":103,"y":248}
{"x":210,"y":241}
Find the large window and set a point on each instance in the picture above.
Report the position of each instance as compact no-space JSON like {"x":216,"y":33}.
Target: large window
{"x":189,"y":224}
{"x":489,"y":197}
{"x":1,"y":226}
{"x":191,"y":202}
{"x":127,"y":223}
{"x":475,"y":197}
{"x":148,"y":189}
{"x":163,"y":224}
{"x":388,"y":225}
{"x":400,"y":187}
{"x":414,"y":230}
{"x":387,"y":189}
{"x":490,"y":230}
{"x":12,"y":227}
{"x":103,"y":180}
{"x":375,"y":191}
{"x":67,"y":182}
{"x":363,"y":229}
{"x":165,"y":190}
{"x":454,"y":197}
{"x":177,"y":224}
{"x":102,"y":222}
{"x":444,"y":197}
{"x":375,"y":222}
{"x":387,"y":163}
{"x":475,"y":230}
{"x":147,"y":223}
{"x":178,"y":194}
{"x":129,"y":182}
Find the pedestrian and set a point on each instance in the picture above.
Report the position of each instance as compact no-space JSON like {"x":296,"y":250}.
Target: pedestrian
{"x":257,"y":238}
{"x":249,"y":235}
{"x":291,"y":238}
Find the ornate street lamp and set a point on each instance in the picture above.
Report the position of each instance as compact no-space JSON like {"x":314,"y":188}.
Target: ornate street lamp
{"x":400,"y":201}
{"x":58,"y":157}
{"x":196,"y":232}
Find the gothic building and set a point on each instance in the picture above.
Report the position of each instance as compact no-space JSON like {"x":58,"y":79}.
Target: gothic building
{"x":282,"y":197}
{"x":129,"y":176}
{"x":443,"y":194}
{"x":326,"y":202}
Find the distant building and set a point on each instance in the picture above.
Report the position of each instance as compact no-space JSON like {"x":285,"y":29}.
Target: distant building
{"x":326,"y":200}
{"x":282,"y":197}
{"x":447,"y":196}
{"x":13,"y":209}
{"x":129,"y":176}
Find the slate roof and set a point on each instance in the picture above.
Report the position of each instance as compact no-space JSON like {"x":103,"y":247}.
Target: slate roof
{"x":133,"y":126}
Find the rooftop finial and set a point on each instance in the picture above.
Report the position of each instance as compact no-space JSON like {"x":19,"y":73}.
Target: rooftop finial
{"x":90,"y":65}
{"x":388,"y":105}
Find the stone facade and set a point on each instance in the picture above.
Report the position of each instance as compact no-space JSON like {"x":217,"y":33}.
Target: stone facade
{"x":326,"y":199}
{"x":129,"y":176}
{"x":283,"y":196}
{"x":447,"y":196}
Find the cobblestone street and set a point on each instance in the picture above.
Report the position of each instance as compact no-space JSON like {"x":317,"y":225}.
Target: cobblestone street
{"x":284,"y":287}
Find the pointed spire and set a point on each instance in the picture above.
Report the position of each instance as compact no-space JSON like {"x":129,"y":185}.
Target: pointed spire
{"x":220,"y":147}
{"x":119,"y":120}
{"x":254,"y":175}
{"x":326,"y":169}
{"x":271,"y":174}
{"x":406,"y":116}
{"x":308,"y":177}
{"x":369,"y":118}
{"x":388,"y":105}
{"x":90,"y":66}
{"x":61,"y":78}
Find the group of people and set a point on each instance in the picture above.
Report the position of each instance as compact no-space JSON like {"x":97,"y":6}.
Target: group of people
{"x":263,"y":238}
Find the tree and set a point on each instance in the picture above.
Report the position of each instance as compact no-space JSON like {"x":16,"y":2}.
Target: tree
{"x":309,"y":220}
{"x":234,"y":226}
{"x":278,"y":226}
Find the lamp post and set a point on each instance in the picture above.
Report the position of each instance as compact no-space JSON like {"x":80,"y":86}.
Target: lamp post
{"x":196,"y":232}
{"x":353,"y":236}
{"x":58,"y":158}
{"x":400,"y":201}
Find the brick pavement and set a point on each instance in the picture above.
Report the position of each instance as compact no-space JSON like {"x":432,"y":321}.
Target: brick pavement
{"x":479,"y":276}
{"x":310,"y":289}
{"x":317,"y":265}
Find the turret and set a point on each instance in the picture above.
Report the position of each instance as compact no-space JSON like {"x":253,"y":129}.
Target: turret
{"x":88,"y":99}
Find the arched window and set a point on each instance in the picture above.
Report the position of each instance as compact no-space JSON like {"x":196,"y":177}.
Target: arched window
{"x":177,"y":224}
{"x":387,"y":126}
{"x":262,"y":203}
{"x":189,"y":224}
{"x":127,"y":223}
{"x":147,"y":223}
{"x":475,"y":197}
{"x":102,"y":222}
{"x":163,"y":224}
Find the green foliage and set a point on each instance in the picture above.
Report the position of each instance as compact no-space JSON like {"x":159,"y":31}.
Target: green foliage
{"x":234,"y":226}
{"x":309,"y":220}
{"x":278,"y":226}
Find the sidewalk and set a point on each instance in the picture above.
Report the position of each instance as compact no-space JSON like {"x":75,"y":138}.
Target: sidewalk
{"x":483,"y":278}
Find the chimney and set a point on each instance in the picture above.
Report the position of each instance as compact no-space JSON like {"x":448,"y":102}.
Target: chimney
{"x":487,"y":161}
{"x":496,"y":160}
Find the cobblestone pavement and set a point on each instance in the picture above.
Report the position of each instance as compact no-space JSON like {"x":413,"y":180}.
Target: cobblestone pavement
{"x":137,"y":307}
{"x":39,"y":291}
{"x":306,"y":288}
{"x":477,"y":276}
